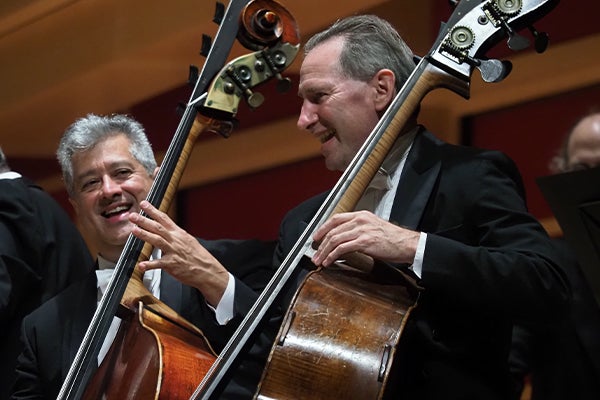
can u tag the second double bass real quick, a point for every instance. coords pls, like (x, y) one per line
(304, 350)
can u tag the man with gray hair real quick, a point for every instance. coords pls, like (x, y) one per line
(454, 217)
(108, 168)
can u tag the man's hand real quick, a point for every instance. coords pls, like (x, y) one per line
(364, 232)
(182, 256)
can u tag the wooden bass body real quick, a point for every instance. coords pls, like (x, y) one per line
(151, 358)
(340, 335)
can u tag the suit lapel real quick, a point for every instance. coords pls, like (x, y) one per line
(77, 324)
(416, 184)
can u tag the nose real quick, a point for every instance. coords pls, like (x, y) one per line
(110, 187)
(308, 115)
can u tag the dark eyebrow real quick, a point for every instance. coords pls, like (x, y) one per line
(111, 167)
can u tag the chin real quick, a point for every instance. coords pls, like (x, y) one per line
(334, 165)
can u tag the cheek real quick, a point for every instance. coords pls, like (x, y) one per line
(139, 188)
(83, 206)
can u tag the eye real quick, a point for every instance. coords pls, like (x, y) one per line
(317, 97)
(90, 184)
(122, 173)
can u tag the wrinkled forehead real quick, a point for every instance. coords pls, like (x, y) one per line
(113, 150)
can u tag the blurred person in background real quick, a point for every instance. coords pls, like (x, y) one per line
(41, 253)
(562, 360)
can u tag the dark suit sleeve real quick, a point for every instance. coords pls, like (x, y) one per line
(28, 383)
(489, 253)
(43, 337)
(250, 262)
(41, 253)
(51, 336)
(20, 275)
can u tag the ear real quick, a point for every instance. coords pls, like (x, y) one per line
(384, 83)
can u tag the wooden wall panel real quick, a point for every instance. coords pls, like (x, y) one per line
(251, 206)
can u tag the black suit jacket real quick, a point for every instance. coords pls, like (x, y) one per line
(52, 334)
(487, 262)
(41, 253)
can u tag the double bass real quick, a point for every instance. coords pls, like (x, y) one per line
(156, 353)
(324, 354)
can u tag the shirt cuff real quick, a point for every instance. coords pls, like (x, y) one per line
(224, 310)
(417, 266)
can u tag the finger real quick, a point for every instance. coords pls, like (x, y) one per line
(148, 265)
(143, 222)
(333, 222)
(328, 251)
(154, 213)
(148, 236)
(342, 244)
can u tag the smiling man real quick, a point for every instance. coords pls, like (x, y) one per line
(453, 216)
(108, 167)
(105, 183)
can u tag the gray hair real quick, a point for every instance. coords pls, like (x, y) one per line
(370, 45)
(87, 132)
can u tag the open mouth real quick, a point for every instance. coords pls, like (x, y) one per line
(116, 211)
(326, 136)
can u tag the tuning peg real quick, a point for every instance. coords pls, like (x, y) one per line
(494, 70)
(491, 70)
(219, 13)
(283, 84)
(254, 99)
(275, 62)
(206, 45)
(193, 75)
(540, 39)
(239, 78)
(517, 42)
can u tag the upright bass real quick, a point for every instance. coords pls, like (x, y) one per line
(157, 353)
(352, 355)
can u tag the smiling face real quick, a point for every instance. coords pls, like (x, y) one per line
(339, 111)
(109, 183)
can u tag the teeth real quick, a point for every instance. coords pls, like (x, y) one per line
(327, 135)
(116, 210)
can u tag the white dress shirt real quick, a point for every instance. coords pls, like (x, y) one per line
(381, 191)
(104, 274)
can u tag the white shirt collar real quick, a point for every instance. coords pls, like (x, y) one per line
(106, 268)
(9, 175)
